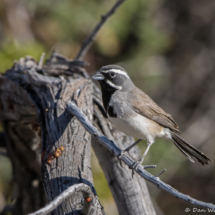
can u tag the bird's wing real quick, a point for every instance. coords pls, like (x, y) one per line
(145, 106)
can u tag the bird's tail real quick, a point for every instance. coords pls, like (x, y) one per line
(189, 151)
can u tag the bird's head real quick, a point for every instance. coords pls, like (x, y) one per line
(113, 77)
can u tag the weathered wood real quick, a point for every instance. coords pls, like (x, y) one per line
(88, 207)
(42, 95)
(50, 95)
(18, 114)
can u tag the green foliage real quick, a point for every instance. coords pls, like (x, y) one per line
(11, 51)
(66, 24)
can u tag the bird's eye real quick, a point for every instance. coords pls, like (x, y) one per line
(112, 74)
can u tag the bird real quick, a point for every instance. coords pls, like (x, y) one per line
(134, 113)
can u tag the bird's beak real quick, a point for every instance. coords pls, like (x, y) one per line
(98, 76)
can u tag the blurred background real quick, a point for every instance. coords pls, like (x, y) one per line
(168, 49)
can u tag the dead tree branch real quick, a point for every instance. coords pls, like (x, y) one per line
(90, 39)
(34, 104)
(87, 193)
(74, 110)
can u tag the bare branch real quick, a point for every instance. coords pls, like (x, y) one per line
(90, 39)
(74, 110)
(65, 194)
(159, 174)
(40, 64)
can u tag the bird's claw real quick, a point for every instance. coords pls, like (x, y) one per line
(119, 156)
(135, 165)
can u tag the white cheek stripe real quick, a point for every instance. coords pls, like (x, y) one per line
(113, 85)
(118, 71)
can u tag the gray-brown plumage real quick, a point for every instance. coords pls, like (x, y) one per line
(136, 114)
(145, 106)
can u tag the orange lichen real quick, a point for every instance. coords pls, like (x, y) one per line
(61, 148)
(49, 161)
(58, 150)
(88, 199)
(57, 154)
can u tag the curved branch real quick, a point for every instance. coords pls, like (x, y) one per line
(90, 39)
(74, 110)
(64, 195)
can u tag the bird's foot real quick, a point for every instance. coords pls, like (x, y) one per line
(135, 165)
(119, 156)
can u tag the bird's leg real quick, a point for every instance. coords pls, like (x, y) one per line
(140, 161)
(128, 149)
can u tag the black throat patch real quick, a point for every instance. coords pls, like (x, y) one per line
(111, 112)
(107, 92)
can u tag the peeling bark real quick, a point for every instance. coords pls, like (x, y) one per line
(49, 95)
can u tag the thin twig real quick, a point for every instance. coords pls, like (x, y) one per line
(90, 39)
(65, 194)
(159, 174)
(40, 64)
(74, 111)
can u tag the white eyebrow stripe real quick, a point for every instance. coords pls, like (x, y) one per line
(118, 71)
(113, 85)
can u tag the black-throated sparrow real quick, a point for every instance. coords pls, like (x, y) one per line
(136, 114)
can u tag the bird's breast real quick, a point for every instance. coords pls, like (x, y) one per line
(124, 118)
